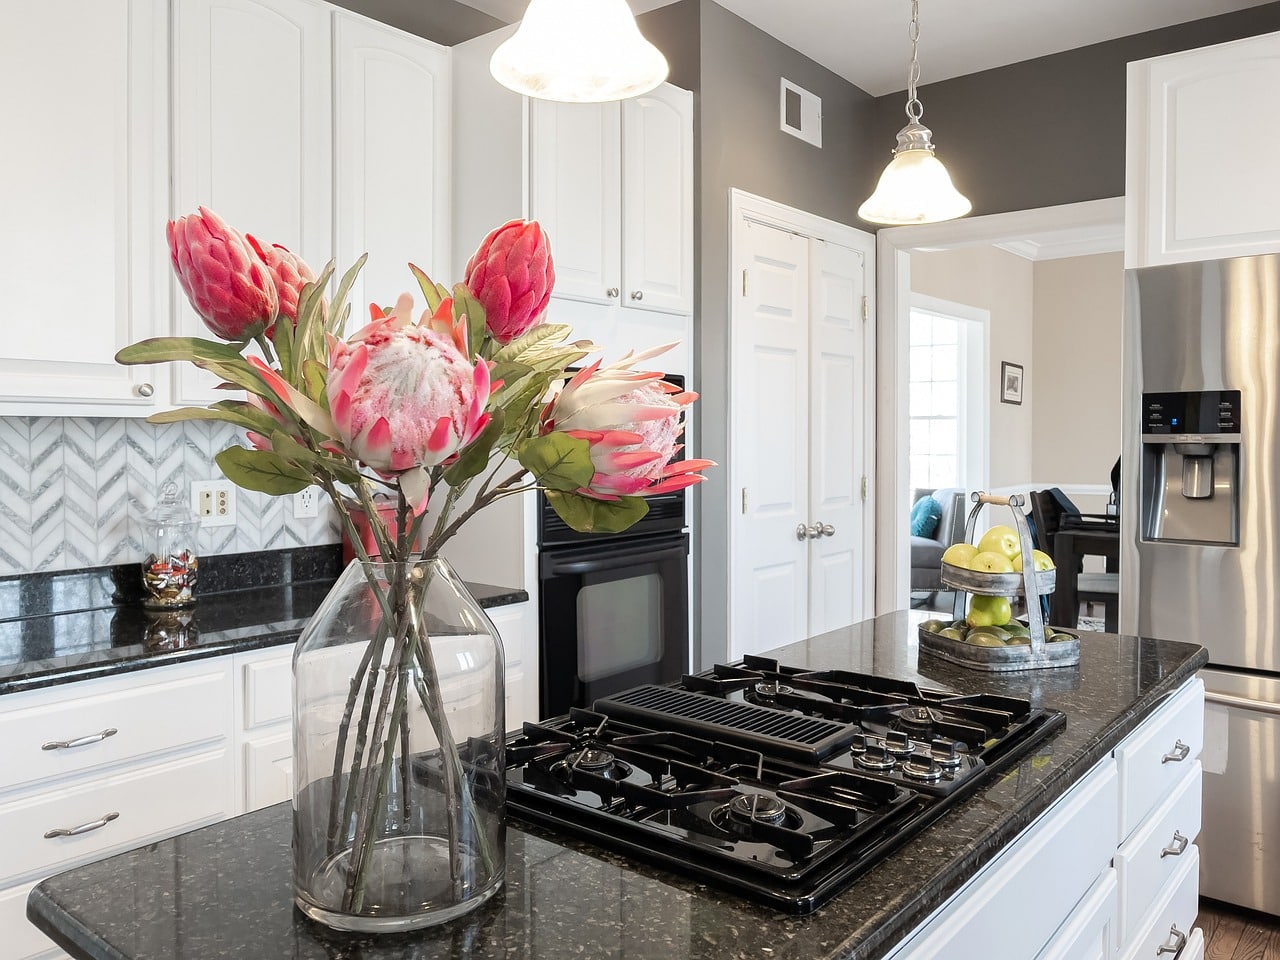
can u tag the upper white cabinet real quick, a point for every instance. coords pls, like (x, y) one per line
(83, 200)
(613, 185)
(392, 147)
(1200, 184)
(252, 134)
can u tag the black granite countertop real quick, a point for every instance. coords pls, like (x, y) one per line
(224, 892)
(77, 625)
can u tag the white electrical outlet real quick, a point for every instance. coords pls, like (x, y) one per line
(306, 504)
(214, 501)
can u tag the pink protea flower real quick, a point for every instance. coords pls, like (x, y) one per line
(221, 274)
(632, 421)
(512, 274)
(289, 272)
(403, 396)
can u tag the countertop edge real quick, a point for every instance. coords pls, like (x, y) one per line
(67, 934)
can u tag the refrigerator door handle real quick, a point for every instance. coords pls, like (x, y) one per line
(1243, 703)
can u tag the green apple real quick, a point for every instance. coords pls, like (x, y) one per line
(980, 638)
(1017, 629)
(989, 561)
(959, 554)
(1001, 539)
(998, 632)
(1060, 637)
(932, 626)
(989, 611)
(1039, 560)
(1014, 641)
(951, 633)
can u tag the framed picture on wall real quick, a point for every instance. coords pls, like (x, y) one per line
(1010, 382)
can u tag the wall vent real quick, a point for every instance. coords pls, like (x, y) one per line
(801, 113)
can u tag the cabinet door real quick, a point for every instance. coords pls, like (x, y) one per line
(83, 202)
(392, 148)
(252, 133)
(1197, 190)
(518, 628)
(574, 177)
(657, 201)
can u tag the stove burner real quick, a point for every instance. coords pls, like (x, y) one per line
(758, 807)
(771, 689)
(917, 720)
(591, 758)
(594, 760)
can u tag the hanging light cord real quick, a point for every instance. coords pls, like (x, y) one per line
(915, 109)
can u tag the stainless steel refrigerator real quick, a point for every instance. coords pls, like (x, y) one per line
(1200, 513)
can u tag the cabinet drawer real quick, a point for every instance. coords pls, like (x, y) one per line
(1150, 856)
(268, 689)
(144, 716)
(21, 939)
(1090, 931)
(268, 770)
(149, 803)
(1017, 902)
(1153, 758)
(1174, 910)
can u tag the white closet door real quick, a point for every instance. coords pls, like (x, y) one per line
(835, 433)
(769, 410)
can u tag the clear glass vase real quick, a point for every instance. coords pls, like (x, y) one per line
(398, 719)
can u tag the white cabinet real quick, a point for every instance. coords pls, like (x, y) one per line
(252, 135)
(391, 140)
(263, 727)
(517, 625)
(83, 198)
(1200, 183)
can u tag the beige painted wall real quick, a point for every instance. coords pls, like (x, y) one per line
(1076, 416)
(1001, 283)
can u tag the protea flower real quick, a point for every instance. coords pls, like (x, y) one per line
(227, 283)
(632, 421)
(289, 272)
(512, 275)
(403, 396)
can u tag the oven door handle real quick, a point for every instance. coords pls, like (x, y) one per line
(611, 560)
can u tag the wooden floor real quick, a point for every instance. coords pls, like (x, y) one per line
(1231, 934)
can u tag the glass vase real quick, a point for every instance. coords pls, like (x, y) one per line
(398, 719)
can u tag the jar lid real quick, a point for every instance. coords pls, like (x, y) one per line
(170, 509)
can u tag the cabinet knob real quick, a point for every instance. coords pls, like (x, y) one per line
(612, 293)
(145, 389)
(637, 294)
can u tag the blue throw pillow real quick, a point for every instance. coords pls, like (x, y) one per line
(925, 516)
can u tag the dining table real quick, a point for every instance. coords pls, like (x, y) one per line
(1072, 542)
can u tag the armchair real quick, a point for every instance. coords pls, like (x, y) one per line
(926, 552)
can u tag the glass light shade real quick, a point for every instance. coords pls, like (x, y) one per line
(914, 188)
(578, 51)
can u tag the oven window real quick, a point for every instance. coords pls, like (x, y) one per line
(619, 625)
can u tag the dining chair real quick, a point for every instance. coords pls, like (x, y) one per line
(1049, 509)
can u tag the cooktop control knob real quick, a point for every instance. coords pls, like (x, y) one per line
(923, 767)
(876, 757)
(896, 741)
(858, 744)
(946, 752)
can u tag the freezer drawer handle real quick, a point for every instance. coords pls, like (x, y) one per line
(79, 741)
(1244, 703)
(1177, 848)
(1177, 940)
(83, 828)
(1179, 752)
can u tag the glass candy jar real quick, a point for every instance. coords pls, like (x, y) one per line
(170, 566)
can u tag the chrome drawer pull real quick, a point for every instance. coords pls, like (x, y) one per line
(1179, 752)
(1177, 848)
(79, 741)
(83, 828)
(1177, 940)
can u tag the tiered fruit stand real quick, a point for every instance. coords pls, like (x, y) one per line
(1033, 584)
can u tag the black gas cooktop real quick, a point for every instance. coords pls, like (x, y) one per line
(781, 783)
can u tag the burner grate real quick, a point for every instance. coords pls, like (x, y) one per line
(807, 739)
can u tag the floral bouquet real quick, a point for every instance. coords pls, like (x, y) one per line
(455, 409)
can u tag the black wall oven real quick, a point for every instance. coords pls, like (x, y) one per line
(613, 610)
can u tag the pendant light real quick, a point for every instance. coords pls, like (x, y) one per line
(915, 186)
(578, 51)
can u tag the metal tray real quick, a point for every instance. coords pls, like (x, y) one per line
(997, 584)
(1021, 656)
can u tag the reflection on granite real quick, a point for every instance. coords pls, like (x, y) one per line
(60, 627)
(224, 892)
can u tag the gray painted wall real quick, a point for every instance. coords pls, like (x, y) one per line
(446, 22)
(1051, 130)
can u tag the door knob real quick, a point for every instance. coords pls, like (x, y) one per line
(825, 529)
(805, 532)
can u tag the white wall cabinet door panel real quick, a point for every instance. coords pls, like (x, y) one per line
(574, 192)
(393, 159)
(657, 201)
(252, 132)
(1192, 196)
(268, 769)
(83, 203)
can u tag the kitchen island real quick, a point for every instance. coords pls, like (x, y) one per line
(224, 891)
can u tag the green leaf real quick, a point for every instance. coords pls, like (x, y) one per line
(166, 349)
(465, 303)
(282, 340)
(338, 307)
(587, 515)
(432, 292)
(558, 461)
(235, 412)
(516, 349)
(263, 471)
(313, 381)
(475, 456)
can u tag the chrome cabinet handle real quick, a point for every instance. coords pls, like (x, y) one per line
(83, 828)
(637, 294)
(1179, 753)
(612, 292)
(1177, 848)
(79, 741)
(1177, 940)
(145, 389)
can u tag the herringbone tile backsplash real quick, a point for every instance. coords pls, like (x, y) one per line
(73, 492)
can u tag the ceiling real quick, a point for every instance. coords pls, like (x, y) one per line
(865, 41)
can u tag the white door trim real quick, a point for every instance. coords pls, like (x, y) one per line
(748, 206)
(893, 286)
